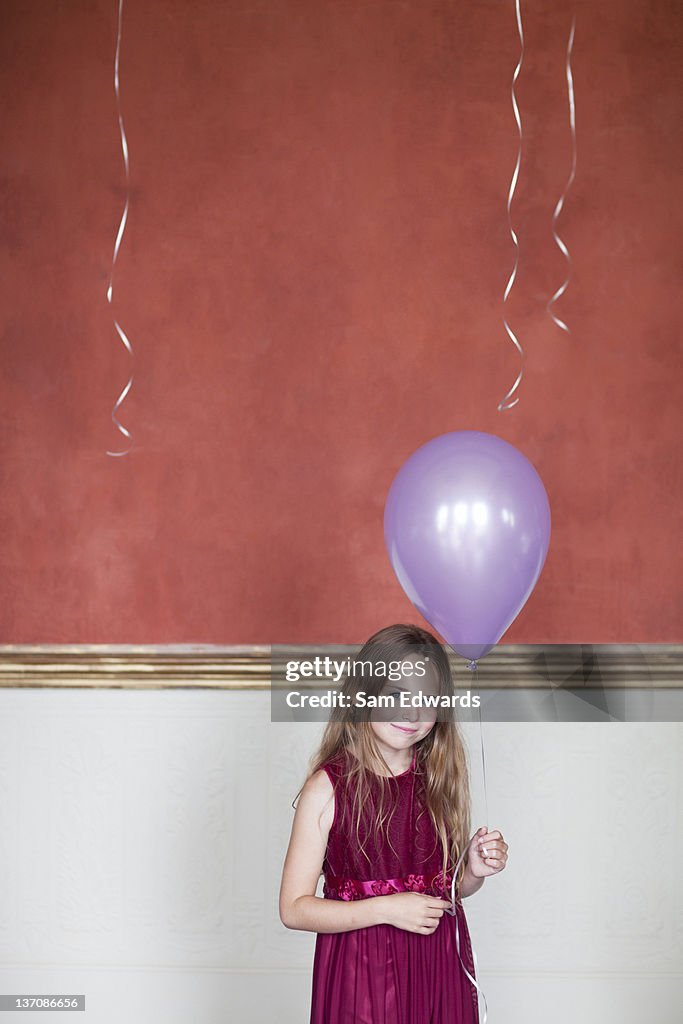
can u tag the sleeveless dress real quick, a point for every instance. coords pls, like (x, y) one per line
(383, 974)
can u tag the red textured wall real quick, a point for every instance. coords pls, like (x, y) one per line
(311, 279)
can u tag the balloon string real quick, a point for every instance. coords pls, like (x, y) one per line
(483, 766)
(455, 902)
(505, 404)
(119, 235)
(560, 203)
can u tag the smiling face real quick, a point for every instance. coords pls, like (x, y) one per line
(399, 728)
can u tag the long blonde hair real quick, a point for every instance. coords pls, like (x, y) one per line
(440, 757)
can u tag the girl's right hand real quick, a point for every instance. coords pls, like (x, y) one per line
(413, 911)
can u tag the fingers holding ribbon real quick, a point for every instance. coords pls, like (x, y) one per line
(493, 850)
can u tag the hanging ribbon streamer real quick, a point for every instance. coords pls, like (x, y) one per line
(505, 404)
(560, 203)
(472, 666)
(119, 236)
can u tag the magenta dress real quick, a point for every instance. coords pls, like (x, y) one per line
(383, 974)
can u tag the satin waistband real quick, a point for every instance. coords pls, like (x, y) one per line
(336, 888)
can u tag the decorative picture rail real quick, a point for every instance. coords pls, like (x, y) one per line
(197, 666)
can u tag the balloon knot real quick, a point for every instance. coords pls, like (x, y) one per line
(472, 666)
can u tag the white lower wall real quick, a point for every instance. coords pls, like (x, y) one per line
(142, 835)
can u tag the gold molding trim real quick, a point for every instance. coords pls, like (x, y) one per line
(208, 666)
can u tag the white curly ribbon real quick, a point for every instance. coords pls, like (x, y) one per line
(452, 910)
(119, 236)
(505, 404)
(560, 203)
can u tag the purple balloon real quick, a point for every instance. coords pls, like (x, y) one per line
(467, 527)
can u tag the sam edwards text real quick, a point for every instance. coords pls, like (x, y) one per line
(334, 699)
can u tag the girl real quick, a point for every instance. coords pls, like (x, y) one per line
(384, 814)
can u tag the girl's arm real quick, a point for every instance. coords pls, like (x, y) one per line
(470, 883)
(300, 908)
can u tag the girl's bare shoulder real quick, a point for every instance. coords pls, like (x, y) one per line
(318, 787)
(317, 797)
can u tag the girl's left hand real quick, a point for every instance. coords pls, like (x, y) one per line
(487, 853)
